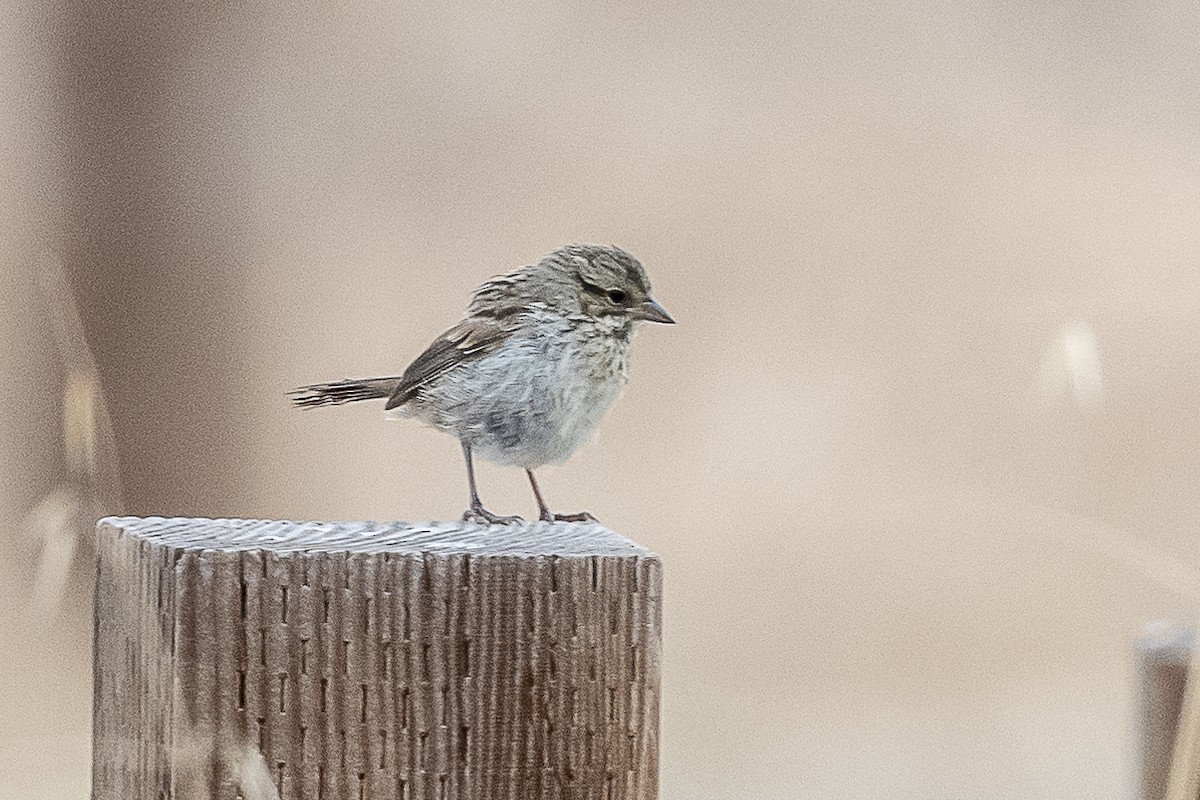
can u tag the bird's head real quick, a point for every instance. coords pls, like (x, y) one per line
(607, 282)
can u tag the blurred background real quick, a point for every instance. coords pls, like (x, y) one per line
(921, 455)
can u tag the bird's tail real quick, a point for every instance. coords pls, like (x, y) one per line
(343, 391)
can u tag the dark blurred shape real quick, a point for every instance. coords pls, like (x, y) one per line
(1164, 653)
(156, 245)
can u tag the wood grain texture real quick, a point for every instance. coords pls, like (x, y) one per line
(239, 658)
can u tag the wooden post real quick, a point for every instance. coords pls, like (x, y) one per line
(1164, 653)
(361, 661)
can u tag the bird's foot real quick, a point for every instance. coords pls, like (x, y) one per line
(481, 516)
(582, 516)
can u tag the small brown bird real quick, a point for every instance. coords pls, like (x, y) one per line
(526, 376)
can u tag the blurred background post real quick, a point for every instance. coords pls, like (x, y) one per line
(929, 411)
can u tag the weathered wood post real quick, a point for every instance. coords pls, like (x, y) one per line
(239, 658)
(1163, 655)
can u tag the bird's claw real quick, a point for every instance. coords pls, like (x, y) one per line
(481, 516)
(581, 516)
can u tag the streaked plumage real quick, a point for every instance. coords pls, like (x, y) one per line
(524, 379)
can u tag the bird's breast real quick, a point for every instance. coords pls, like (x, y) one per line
(542, 393)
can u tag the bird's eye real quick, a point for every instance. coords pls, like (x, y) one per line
(617, 296)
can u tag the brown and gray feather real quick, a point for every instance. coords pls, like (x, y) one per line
(546, 346)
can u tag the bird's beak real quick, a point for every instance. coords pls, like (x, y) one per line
(651, 311)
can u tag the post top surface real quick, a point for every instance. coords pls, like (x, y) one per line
(1167, 642)
(446, 538)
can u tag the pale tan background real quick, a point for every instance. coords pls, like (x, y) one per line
(921, 454)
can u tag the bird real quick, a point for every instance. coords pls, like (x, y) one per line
(526, 376)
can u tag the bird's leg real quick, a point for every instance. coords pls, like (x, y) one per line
(544, 510)
(477, 513)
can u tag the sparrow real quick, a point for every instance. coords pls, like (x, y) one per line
(525, 377)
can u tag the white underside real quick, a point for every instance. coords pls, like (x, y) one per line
(536, 399)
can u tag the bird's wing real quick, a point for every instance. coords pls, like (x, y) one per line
(471, 339)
